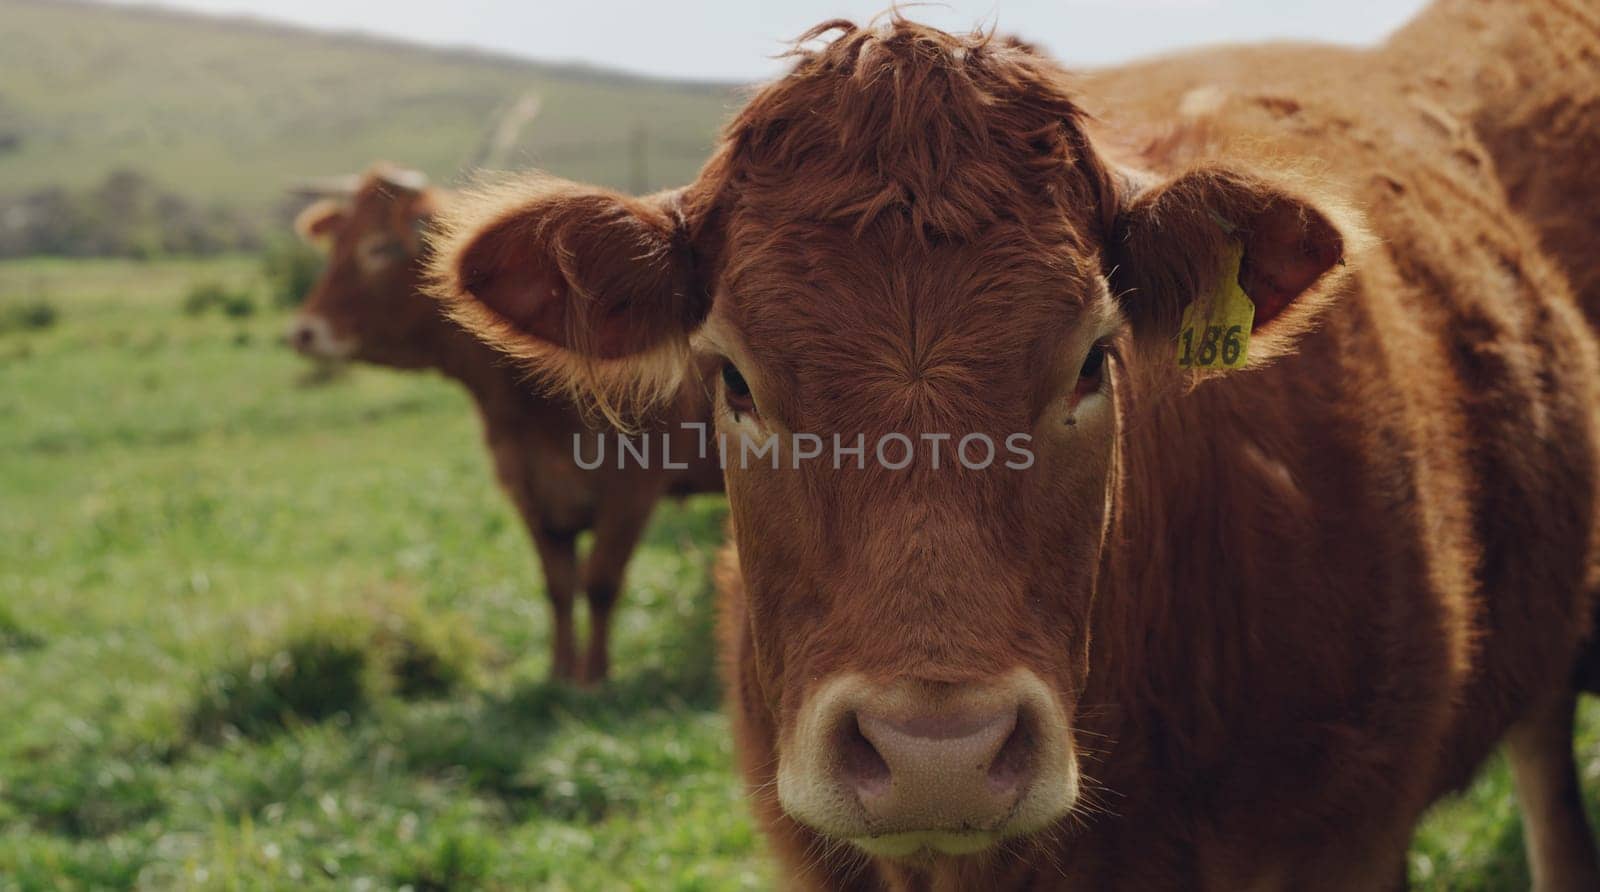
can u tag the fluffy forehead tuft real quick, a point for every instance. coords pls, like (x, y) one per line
(950, 132)
(385, 185)
(386, 197)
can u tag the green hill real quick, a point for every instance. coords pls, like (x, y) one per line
(223, 112)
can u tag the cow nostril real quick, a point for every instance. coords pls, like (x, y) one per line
(301, 337)
(1013, 764)
(860, 763)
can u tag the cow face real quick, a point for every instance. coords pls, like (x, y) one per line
(932, 301)
(367, 304)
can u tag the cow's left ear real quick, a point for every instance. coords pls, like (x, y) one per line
(1173, 242)
(317, 223)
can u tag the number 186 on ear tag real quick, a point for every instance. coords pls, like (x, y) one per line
(1215, 332)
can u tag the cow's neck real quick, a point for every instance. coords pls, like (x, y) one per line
(503, 399)
(443, 346)
(483, 371)
(1179, 631)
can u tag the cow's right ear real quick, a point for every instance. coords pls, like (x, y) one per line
(317, 223)
(1173, 240)
(551, 266)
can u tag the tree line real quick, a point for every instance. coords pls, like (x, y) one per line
(126, 214)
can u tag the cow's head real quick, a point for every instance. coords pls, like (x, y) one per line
(909, 241)
(367, 303)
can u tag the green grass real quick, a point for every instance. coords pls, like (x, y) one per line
(261, 629)
(228, 112)
(259, 633)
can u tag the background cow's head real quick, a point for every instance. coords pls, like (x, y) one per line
(911, 235)
(367, 303)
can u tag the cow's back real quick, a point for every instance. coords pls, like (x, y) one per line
(1525, 74)
(1522, 75)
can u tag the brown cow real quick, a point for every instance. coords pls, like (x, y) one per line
(1220, 630)
(369, 306)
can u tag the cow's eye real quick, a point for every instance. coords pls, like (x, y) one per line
(737, 390)
(1093, 370)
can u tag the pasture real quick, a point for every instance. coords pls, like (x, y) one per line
(265, 626)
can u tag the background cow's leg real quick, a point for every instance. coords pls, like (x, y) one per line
(558, 552)
(1561, 849)
(558, 548)
(615, 536)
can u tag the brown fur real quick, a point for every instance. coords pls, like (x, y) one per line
(529, 433)
(1525, 76)
(1510, 84)
(1517, 81)
(1286, 608)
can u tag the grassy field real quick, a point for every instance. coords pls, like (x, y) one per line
(259, 632)
(264, 629)
(228, 111)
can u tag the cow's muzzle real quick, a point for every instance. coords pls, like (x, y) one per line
(311, 335)
(916, 768)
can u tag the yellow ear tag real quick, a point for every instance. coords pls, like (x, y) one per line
(1215, 332)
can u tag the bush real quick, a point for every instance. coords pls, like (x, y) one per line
(456, 861)
(425, 655)
(239, 306)
(203, 297)
(332, 664)
(13, 635)
(290, 267)
(34, 315)
(312, 675)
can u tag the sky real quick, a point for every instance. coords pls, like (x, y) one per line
(736, 39)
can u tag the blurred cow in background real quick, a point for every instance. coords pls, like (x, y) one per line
(369, 306)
